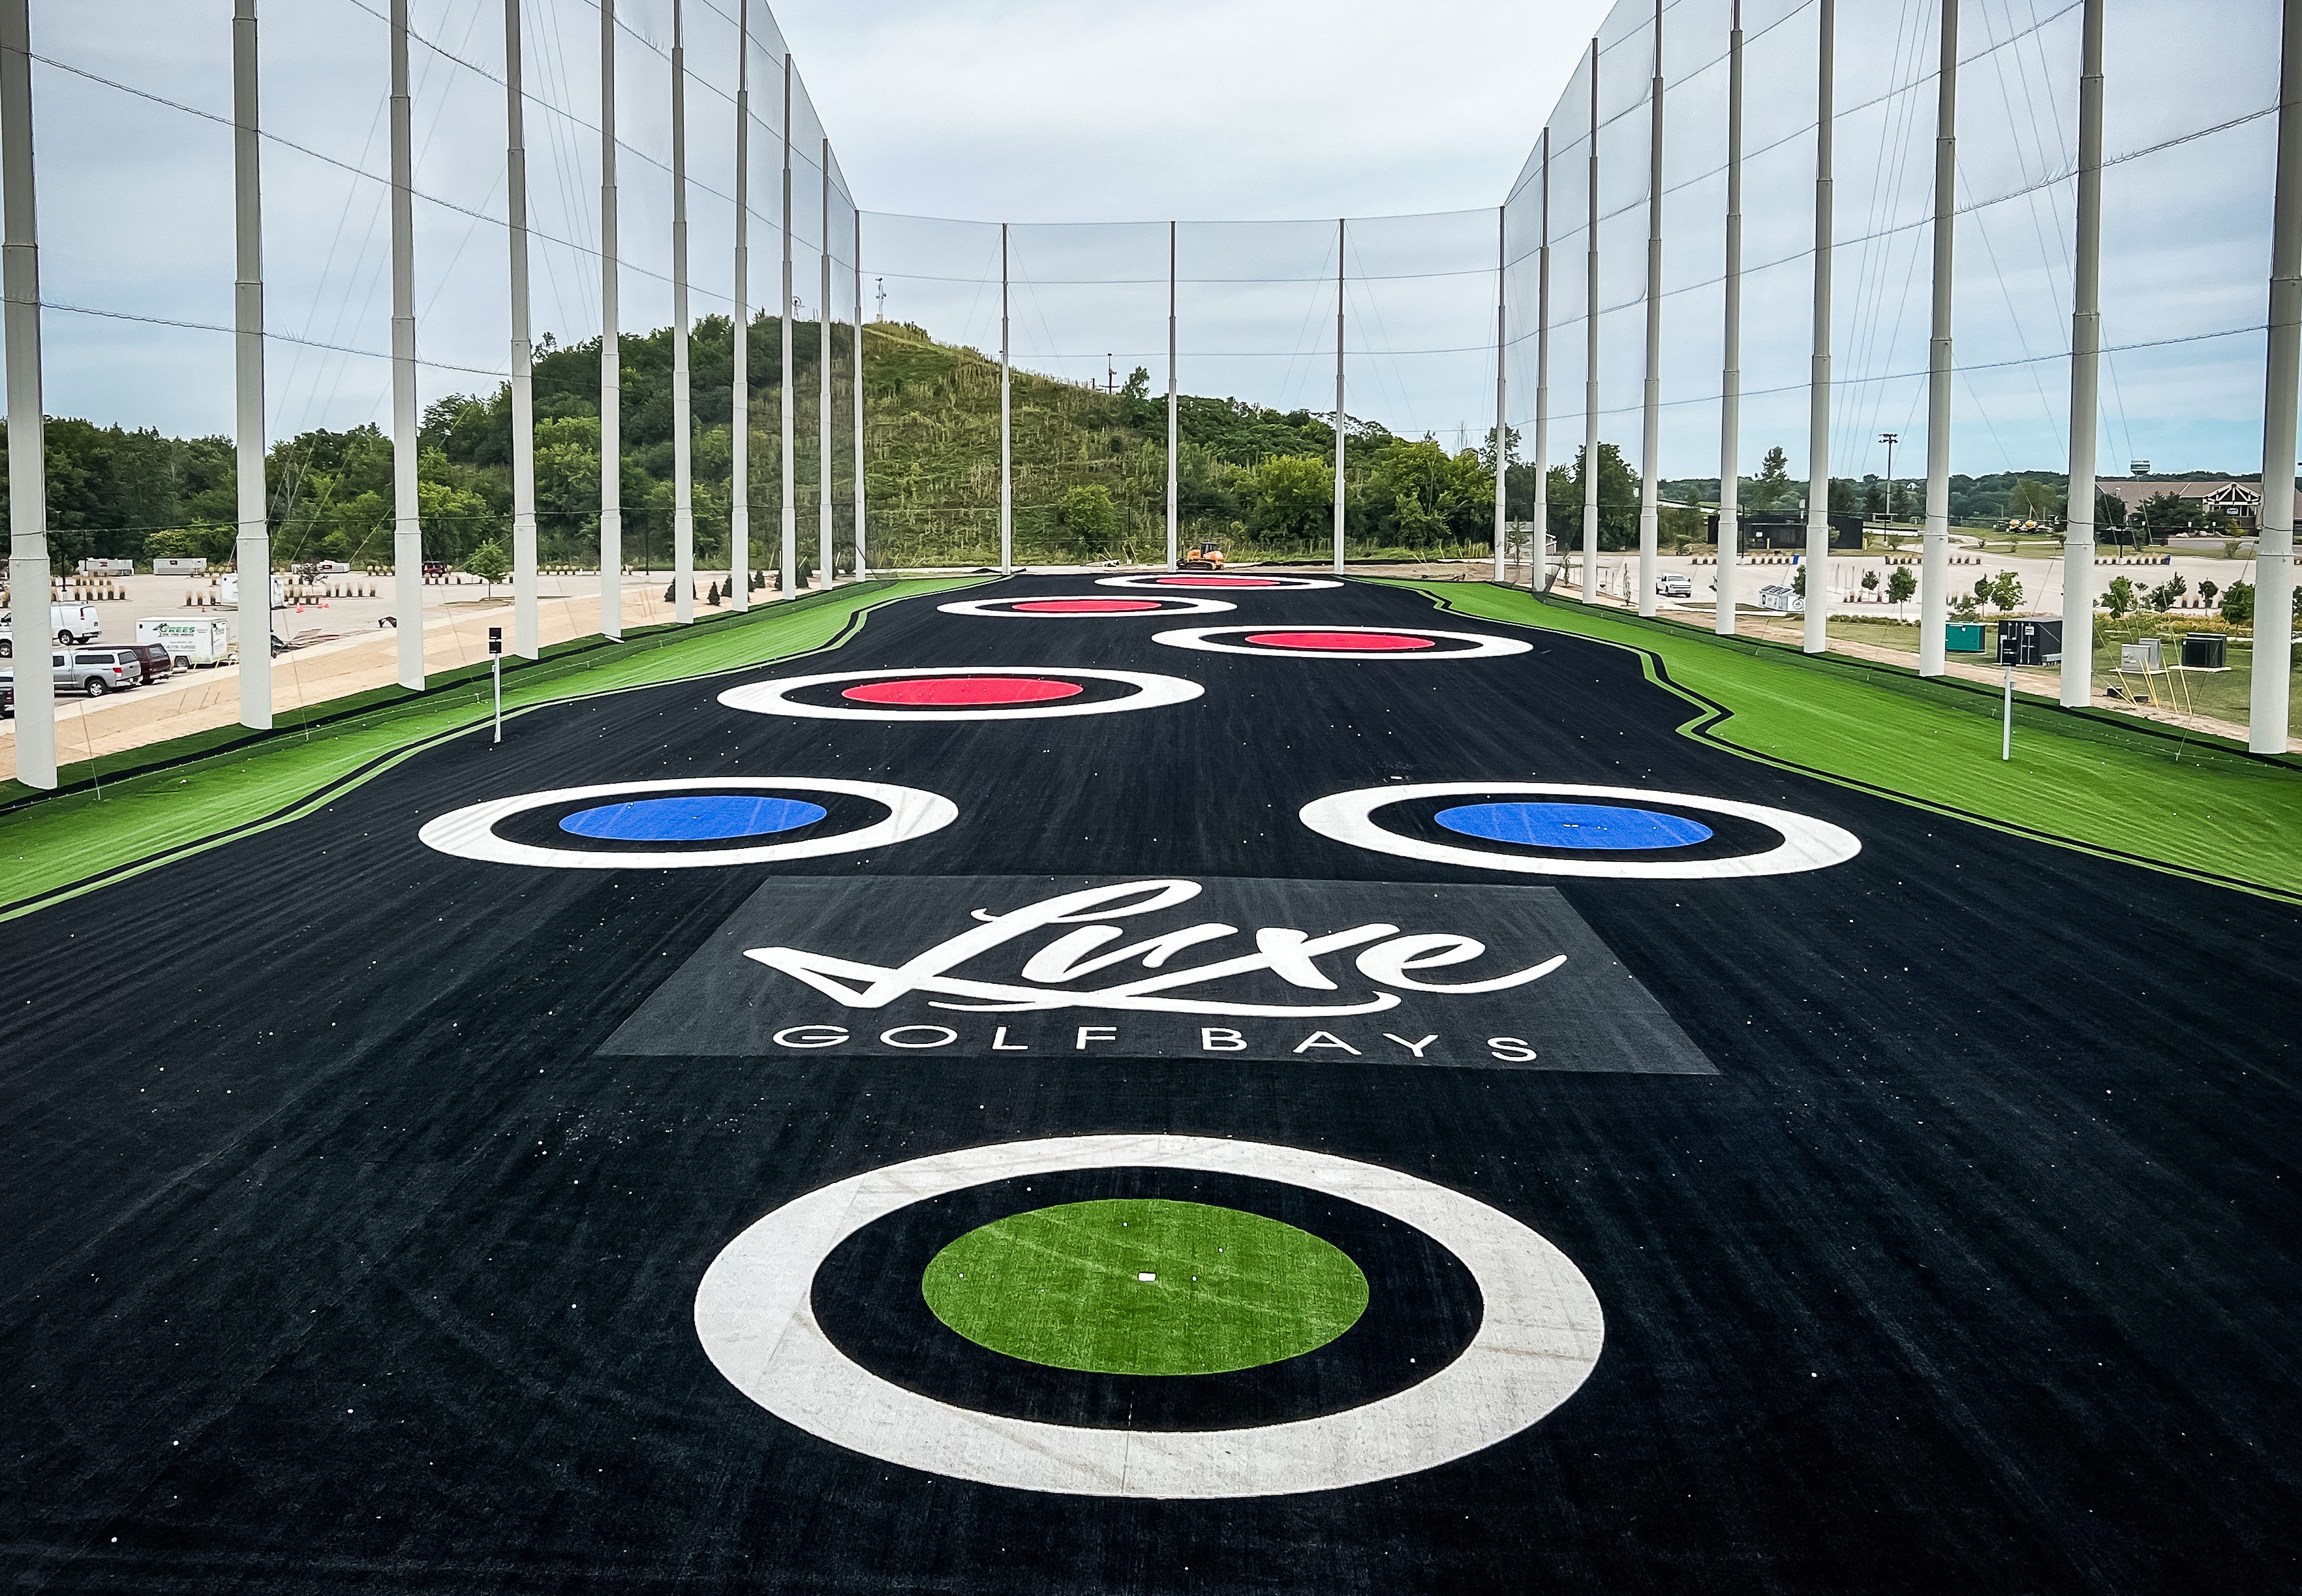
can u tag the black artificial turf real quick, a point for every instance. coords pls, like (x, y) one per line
(338, 1257)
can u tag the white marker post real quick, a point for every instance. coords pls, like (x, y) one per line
(1538, 560)
(863, 564)
(2086, 374)
(253, 543)
(827, 547)
(1342, 238)
(1933, 545)
(525, 640)
(1651, 418)
(1502, 412)
(611, 358)
(1730, 375)
(1006, 419)
(495, 669)
(739, 460)
(27, 455)
(682, 397)
(2006, 729)
(1173, 546)
(1591, 359)
(2274, 565)
(1818, 445)
(407, 525)
(790, 517)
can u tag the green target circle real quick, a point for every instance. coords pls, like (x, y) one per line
(1145, 1286)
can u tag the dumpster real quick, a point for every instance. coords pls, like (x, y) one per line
(2205, 650)
(1963, 637)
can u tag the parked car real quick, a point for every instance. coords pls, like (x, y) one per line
(1675, 584)
(7, 697)
(154, 658)
(68, 624)
(97, 671)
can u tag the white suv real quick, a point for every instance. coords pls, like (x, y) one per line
(1675, 584)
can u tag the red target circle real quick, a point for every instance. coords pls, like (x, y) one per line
(1368, 642)
(942, 691)
(1082, 606)
(1218, 581)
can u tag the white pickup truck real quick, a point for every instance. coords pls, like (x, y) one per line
(67, 624)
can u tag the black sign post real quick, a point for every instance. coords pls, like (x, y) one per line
(495, 667)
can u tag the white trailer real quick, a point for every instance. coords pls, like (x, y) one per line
(179, 564)
(228, 592)
(107, 567)
(191, 642)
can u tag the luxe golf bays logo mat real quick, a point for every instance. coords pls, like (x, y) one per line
(1074, 968)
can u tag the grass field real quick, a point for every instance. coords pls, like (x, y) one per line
(175, 798)
(1145, 1286)
(2199, 807)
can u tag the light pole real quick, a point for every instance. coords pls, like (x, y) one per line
(1890, 440)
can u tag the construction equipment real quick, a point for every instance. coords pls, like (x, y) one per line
(1201, 557)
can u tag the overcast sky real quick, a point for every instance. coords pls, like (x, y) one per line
(1234, 118)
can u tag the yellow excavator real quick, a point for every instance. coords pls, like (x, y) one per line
(1201, 557)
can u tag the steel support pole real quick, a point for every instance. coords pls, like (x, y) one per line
(611, 358)
(863, 564)
(1539, 558)
(407, 525)
(1650, 417)
(524, 640)
(739, 458)
(1502, 396)
(1006, 422)
(1342, 239)
(1933, 542)
(2273, 567)
(1173, 542)
(788, 577)
(1818, 444)
(825, 539)
(28, 573)
(683, 396)
(254, 546)
(2085, 378)
(1730, 374)
(1590, 358)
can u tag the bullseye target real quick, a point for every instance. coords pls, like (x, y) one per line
(687, 824)
(1211, 581)
(1098, 606)
(961, 692)
(1277, 1321)
(1552, 829)
(1343, 643)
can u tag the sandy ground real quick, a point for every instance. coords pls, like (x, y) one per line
(348, 652)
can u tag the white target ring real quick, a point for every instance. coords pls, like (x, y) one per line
(1169, 604)
(1539, 1337)
(470, 833)
(1210, 640)
(1241, 582)
(1808, 844)
(1151, 692)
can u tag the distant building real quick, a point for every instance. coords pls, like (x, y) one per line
(2241, 502)
(1787, 529)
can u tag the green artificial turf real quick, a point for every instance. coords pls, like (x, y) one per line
(170, 800)
(2086, 779)
(1062, 1286)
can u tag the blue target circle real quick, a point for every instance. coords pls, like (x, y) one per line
(704, 819)
(1588, 827)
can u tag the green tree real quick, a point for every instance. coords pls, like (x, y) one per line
(2005, 591)
(2208, 588)
(1290, 495)
(2031, 500)
(1869, 581)
(487, 562)
(1772, 489)
(1088, 514)
(1900, 587)
(2161, 598)
(2118, 598)
(2238, 604)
